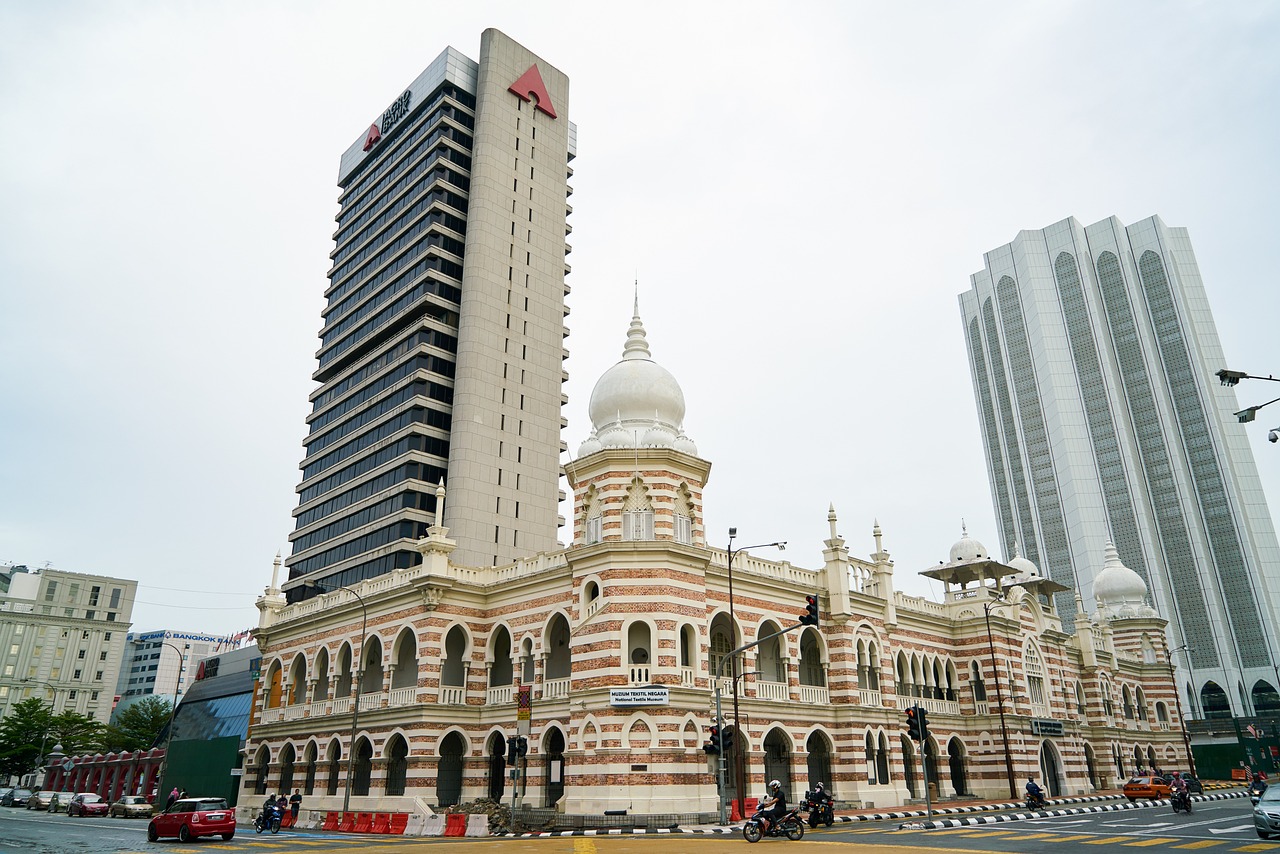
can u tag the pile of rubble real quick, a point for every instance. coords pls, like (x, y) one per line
(499, 815)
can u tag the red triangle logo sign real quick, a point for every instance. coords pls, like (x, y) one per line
(531, 88)
(371, 139)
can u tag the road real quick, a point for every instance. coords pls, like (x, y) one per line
(1217, 826)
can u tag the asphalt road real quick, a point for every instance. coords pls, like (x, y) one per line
(1218, 826)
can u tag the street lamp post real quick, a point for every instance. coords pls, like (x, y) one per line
(739, 771)
(1004, 730)
(177, 686)
(1244, 416)
(355, 705)
(1177, 697)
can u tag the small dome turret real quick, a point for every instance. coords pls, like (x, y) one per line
(1119, 591)
(967, 549)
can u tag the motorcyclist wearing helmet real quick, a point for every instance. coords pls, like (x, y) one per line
(775, 806)
(1034, 792)
(267, 809)
(1177, 784)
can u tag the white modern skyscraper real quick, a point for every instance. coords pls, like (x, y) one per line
(443, 338)
(1093, 354)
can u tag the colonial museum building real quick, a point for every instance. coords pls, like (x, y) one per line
(604, 655)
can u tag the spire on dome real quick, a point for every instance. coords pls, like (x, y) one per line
(637, 346)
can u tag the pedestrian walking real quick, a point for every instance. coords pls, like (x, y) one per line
(173, 796)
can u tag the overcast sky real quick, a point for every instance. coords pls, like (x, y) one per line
(803, 189)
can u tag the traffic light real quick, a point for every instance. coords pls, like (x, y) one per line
(913, 723)
(511, 750)
(726, 741)
(923, 719)
(522, 745)
(810, 615)
(713, 743)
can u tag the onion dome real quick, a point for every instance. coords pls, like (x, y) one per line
(1026, 569)
(637, 402)
(968, 549)
(1118, 590)
(590, 445)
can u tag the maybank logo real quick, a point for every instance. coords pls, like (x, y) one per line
(530, 88)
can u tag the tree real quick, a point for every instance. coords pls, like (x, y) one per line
(138, 726)
(76, 733)
(28, 725)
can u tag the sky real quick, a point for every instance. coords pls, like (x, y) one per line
(802, 190)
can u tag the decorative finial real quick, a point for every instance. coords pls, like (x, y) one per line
(440, 503)
(637, 346)
(831, 520)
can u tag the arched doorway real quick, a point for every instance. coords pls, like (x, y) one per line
(777, 761)
(310, 760)
(818, 747)
(1091, 767)
(261, 763)
(397, 765)
(287, 757)
(909, 766)
(362, 773)
(497, 766)
(1214, 702)
(449, 771)
(1051, 768)
(955, 763)
(553, 753)
(334, 758)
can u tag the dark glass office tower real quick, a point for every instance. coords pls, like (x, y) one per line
(442, 342)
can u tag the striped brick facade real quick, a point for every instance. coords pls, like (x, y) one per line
(446, 646)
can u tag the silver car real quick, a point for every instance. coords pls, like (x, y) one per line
(1266, 813)
(40, 800)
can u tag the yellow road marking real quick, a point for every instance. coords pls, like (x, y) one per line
(1260, 846)
(1035, 835)
(1107, 840)
(584, 845)
(1159, 840)
(1076, 838)
(980, 833)
(1203, 843)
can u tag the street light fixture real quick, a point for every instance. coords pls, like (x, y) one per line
(1244, 416)
(739, 771)
(355, 705)
(1004, 730)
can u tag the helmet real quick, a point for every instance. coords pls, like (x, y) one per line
(818, 787)
(1177, 775)
(775, 784)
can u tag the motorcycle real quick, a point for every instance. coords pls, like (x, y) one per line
(272, 821)
(789, 825)
(1181, 801)
(820, 811)
(1036, 801)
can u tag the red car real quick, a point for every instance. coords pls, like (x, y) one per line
(191, 818)
(87, 803)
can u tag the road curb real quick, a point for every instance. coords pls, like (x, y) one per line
(1022, 816)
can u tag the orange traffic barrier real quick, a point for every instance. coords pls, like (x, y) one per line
(330, 821)
(399, 821)
(455, 824)
(347, 823)
(364, 822)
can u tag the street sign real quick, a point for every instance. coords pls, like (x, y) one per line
(67, 765)
(524, 702)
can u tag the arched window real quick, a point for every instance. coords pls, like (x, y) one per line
(286, 768)
(261, 764)
(363, 770)
(1126, 700)
(871, 759)
(501, 672)
(976, 682)
(333, 757)
(298, 681)
(1140, 702)
(811, 669)
(322, 675)
(371, 681)
(406, 654)
(637, 512)
(397, 765)
(310, 759)
(1035, 674)
(556, 646)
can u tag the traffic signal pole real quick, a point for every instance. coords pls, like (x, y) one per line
(724, 818)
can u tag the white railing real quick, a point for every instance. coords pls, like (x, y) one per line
(294, 713)
(1039, 711)
(370, 701)
(1164, 726)
(270, 716)
(870, 698)
(555, 689)
(403, 696)
(592, 608)
(499, 695)
(772, 690)
(942, 707)
(342, 705)
(984, 706)
(686, 677)
(816, 694)
(453, 695)
(639, 674)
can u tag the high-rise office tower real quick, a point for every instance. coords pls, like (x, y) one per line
(1093, 354)
(442, 342)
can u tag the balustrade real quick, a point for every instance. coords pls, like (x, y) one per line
(555, 689)
(318, 709)
(370, 701)
(984, 707)
(868, 697)
(686, 677)
(640, 674)
(294, 713)
(342, 705)
(403, 696)
(815, 694)
(772, 690)
(499, 695)
(453, 695)
(270, 716)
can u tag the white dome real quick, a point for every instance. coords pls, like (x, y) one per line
(967, 549)
(1119, 591)
(590, 445)
(1026, 569)
(637, 402)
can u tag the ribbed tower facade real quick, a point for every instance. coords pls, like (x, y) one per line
(442, 345)
(1093, 354)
